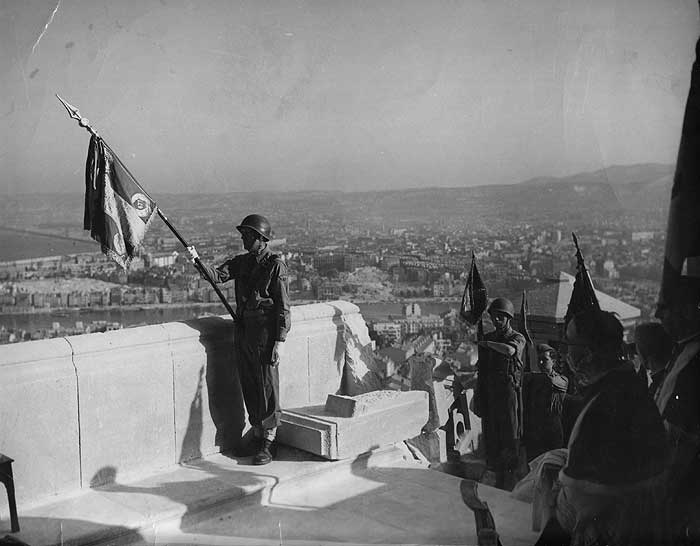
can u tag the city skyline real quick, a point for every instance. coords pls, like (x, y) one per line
(221, 97)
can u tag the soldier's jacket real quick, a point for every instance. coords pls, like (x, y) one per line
(503, 369)
(261, 287)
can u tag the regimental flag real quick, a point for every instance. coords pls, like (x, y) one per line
(117, 209)
(583, 295)
(682, 256)
(474, 299)
(529, 352)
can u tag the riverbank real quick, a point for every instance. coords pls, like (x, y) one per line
(138, 315)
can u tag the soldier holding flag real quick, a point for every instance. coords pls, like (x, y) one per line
(262, 305)
(500, 368)
(118, 212)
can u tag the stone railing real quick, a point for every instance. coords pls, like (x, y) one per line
(76, 410)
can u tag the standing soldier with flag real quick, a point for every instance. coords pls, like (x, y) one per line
(262, 305)
(118, 212)
(500, 364)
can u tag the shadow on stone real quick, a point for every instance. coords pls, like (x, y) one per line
(47, 531)
(224, 389)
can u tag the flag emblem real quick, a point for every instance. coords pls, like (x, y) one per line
(142, 204)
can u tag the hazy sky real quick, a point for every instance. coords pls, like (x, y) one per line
(339, 94)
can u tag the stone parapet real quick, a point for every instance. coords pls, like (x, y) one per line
(76, 411)
(39, 425)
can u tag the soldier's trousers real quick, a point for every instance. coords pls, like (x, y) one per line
(500, 427)
(259, 379)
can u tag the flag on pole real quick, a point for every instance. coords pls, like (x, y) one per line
(682, 255)
(583, 295)
(474, 299)
(522, 327)
(117, 209)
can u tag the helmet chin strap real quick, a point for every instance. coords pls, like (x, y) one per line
(262, 246)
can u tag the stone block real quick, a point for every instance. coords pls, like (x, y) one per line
(125, 381)
(317, 431)
(39, 419)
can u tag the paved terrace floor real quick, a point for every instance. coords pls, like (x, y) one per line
(382, 498)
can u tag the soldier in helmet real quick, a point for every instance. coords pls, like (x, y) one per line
(500, 368)
(543, 398)
(262, 306)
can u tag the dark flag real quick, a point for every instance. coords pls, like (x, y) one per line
(474, 302)
(474, 299)
(117, 209)
(583, 295)
(682, 256)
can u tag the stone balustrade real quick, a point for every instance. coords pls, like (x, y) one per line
(76, 411)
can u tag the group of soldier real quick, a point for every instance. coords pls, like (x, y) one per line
(621, 427)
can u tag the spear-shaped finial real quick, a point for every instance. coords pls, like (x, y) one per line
(75, 114)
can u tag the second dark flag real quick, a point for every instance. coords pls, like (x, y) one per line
(474, 299)
(583, 295)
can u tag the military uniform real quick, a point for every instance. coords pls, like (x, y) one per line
(543, 395)
(499, 399)
(262, 305)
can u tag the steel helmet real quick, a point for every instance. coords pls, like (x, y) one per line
(503, 305)
(257, 223)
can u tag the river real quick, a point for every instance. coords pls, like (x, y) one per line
(157, 315)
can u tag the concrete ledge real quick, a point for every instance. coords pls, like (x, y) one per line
(318, 431)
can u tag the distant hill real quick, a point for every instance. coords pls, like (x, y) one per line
(645, 186)
(642, 173)
(575, 200)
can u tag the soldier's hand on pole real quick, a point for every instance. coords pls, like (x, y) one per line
(193, 253)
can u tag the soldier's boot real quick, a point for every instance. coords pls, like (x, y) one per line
(264, 455)
(267, 447)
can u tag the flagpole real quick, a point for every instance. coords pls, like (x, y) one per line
(74, 113)
(586, 275)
